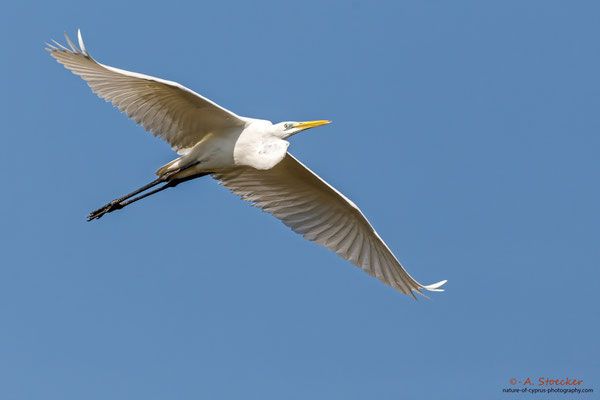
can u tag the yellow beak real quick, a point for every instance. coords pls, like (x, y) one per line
(311, 124)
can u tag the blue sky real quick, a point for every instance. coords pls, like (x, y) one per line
(467, 131)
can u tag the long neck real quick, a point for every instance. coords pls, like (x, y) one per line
(259, 147)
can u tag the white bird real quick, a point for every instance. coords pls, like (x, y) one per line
(248, 156)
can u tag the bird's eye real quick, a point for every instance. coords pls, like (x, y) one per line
(287, 126)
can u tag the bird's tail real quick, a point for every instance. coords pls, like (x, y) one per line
(162, 171)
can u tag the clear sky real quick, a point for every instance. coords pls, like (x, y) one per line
(467, 131)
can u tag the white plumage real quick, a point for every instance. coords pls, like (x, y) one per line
(248, 156)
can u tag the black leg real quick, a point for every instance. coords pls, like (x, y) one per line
(121, 202)
(171, 184)
(113, 204)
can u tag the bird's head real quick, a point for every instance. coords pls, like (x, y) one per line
(286, 129)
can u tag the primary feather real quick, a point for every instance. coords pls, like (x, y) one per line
(313, 208)
(169, 110)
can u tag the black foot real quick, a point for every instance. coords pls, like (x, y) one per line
(97, 214)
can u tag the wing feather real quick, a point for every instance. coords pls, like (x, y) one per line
(311, 207)
(167, 109)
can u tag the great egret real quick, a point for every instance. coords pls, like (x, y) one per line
(249, 156)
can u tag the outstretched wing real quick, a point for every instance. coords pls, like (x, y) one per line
(311, 207)
(169, 110)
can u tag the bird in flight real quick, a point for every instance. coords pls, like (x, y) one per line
(248, 156)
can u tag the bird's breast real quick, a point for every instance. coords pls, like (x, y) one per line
(259, 154)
